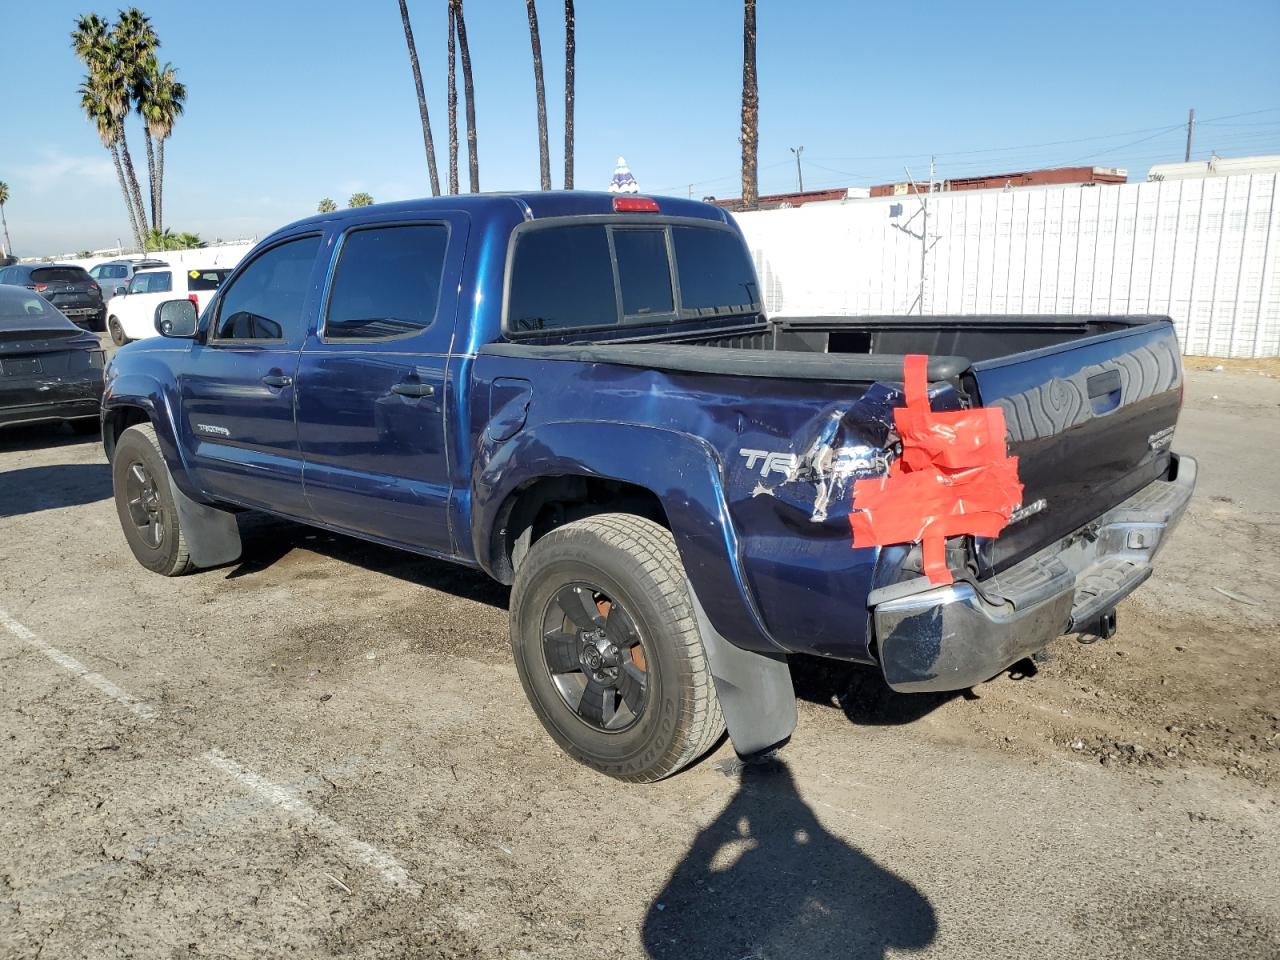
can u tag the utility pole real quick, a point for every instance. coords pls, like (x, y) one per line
(799, 173)
(1191, 121)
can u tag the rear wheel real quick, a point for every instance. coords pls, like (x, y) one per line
(117, 332)
(145, 504)
(608, 650)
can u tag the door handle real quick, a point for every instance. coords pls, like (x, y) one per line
(411, 389)
(277, 380)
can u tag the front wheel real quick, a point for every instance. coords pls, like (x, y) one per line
(145, 503)
(117, 332)
(608, 651)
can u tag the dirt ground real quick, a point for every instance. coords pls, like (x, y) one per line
(324, 751)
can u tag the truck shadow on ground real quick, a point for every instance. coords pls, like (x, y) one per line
(859, 691)
(766, 879)
(33, 489)
(267, 540)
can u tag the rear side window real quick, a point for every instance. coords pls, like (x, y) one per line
(562, 278)
(644, 272)
(60, 275)
(116, 271)
(716, 274)
(387, 282)
(265, 302)
(198, 280)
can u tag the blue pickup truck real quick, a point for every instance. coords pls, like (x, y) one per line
(581, 395)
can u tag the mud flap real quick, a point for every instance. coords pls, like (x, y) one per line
(213, 538)
(754, 689)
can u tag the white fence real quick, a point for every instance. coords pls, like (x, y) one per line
(220, 255)
(1205, 252)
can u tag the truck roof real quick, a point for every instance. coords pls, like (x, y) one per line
(533, 205)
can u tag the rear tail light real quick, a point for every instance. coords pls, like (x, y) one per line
(39, 287)
(94, 287)
(635, 205)
(194, 299)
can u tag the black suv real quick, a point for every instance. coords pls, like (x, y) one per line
(76, 294)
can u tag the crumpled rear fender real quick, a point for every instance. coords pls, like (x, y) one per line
(682, 470)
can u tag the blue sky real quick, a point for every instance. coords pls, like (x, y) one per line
(290, 101)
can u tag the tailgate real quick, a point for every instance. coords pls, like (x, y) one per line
(1090, 421)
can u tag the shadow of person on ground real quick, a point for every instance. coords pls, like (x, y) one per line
(860, 692)
(32, 489)
(766, 880)
(267, 540)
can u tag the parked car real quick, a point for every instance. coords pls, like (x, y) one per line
(69, 288)
(131, 315)
(581, 395)
(114, 275)
(50, 369)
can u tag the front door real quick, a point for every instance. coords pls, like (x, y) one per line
(372, 384)
(238, 386)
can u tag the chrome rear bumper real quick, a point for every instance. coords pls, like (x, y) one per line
(952, 637)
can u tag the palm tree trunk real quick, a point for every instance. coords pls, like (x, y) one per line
(128, 200)
(133, 182)
(569, 53)
(159, 211)
(151, 175)
(422, 100)
(750, 109)
(453, 104)
(544, 157)
(468, 91)
(8, 244)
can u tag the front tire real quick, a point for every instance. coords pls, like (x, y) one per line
(117, 332)
(608, 651)
(145, 504)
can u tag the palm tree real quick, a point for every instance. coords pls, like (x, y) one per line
(326, 206)
(95, 106)
(100, 94)
(105, 99)
(133, 41)
(161, 100)
(544, 158)
(750, 108)
(569, 49)
(453, 105)
(360, 199)
(468, 91)
(4, 198)
(422, 100)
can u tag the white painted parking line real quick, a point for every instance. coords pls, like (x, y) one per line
(385, 865)
(77, 669)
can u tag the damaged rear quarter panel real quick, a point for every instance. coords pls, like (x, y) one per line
(754, 475)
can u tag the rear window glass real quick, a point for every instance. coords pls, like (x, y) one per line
(387, 283)
(198, 280)
(644, 272)
(716, 274)
(562, 277)
(151, 283)
(59, 275)
(22, 309)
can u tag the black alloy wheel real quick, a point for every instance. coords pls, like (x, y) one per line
(596, 657)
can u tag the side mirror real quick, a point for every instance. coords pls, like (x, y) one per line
(177, 319)
(121, 291)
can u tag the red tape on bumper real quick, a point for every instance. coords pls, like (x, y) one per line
(954, 477)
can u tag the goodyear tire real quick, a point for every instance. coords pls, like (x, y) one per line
(145, 505)
(608, 651)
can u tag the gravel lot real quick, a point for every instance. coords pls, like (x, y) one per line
(324, 751)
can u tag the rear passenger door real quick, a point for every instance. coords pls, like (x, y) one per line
(372, 392)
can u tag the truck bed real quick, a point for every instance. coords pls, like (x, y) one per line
(1089, 402)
